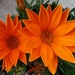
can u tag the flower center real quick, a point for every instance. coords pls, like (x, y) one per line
(12, 42)
(46, 37)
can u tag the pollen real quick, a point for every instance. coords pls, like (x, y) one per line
(12, 42)
(46, 37)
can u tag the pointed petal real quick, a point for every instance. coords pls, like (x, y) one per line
(33, 27)
(25, 49)
(2, 45)
(55, 17)
(10, 25)
(22, 57)
(35, 54)
(18, 26)
(53, 65)
(66, 40)
(46, 54)
(4, 53)
(15, 21)
(3, 64)
(22, 38)
(3, 33)
(25, 31)
(72, 48)
(34, 42)
(32, 15)
(44, 18)
(64, 28)
(22, 47)
(72, 33)
(8, 64)
(2, 24)
(14, 54)
(49, 9)
(63, 52)
(65, 16)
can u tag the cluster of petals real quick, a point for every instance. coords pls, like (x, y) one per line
(12, 43)
(50, 36)
(47, 35)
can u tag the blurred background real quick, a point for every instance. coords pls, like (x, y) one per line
(9, 6)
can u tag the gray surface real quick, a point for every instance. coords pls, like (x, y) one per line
(8, 6)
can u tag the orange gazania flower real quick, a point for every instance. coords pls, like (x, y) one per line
(49, 35)
(11, 43)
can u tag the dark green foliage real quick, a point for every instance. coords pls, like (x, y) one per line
(22, 14)
(72, 14)
(65, 68)
(54, 4)
(20, 69)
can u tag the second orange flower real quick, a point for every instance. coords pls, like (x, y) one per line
(49, 35)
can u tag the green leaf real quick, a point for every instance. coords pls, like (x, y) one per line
(53, 5)
(32, 1)
(47, 72)
(66, 68)
(41, 1)
(72, 14)
(11, 72)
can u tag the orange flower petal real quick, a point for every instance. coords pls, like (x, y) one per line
(8, 64)
(22, 46)
(65, 16)
(33, 27)
(72, 48)
(22, 57)
(1, 38)
(10, 25)
(66, 40)
(3, 64)
(35, 54)
(63, 52)
(32, 16)
(25, 31)
(2, 24)
(53, 65)
(3, 53)
(55, 17)
(2, 45)
(49, 9)
(64, 28)
(15, 21)
(46, 53)
(3, 33)
(44, 18)
(34, 42)
(72, 33)
(14, 54)
(24, 49)
(22, 38)
(18, 27)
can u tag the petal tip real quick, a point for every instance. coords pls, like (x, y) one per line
(41, 6)
(60, 6)
(26, 9)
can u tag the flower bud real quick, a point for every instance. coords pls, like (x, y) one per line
(21, 4)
